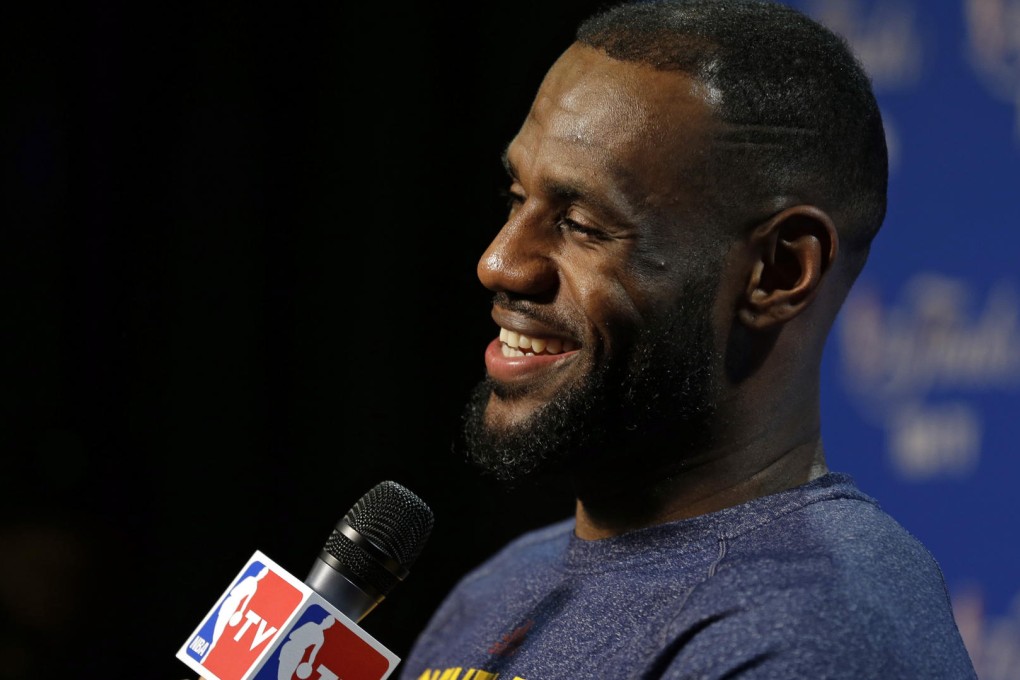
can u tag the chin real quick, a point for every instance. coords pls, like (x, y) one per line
(501, 416)
(524, 439)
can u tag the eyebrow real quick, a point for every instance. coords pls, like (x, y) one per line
(560, 190)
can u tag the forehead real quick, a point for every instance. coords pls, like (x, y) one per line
(643, 130)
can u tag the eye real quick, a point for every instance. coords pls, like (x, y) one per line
(581, 231)
(514, 199)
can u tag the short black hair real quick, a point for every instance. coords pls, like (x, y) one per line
(798, 111)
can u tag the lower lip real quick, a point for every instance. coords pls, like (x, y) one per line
(508, 369)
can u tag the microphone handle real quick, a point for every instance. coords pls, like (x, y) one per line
(335, 587)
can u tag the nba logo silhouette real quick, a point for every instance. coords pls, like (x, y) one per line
(319, 647)
(250, 614)
(269, 625)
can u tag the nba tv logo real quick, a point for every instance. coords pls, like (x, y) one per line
(245, 623)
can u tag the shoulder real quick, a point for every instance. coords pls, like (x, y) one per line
(835, 588)
(830, 524)
(842, 551)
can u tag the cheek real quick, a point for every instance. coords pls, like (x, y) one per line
(598, 274)
(614, 301)
(618, 288)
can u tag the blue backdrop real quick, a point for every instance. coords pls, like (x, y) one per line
(922, 373)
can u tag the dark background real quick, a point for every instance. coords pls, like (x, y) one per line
(239, 248)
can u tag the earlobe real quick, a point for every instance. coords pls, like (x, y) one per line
(792, 252)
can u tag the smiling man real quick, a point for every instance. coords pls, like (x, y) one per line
(692, 194)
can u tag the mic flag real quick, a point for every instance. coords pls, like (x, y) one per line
(269, 625)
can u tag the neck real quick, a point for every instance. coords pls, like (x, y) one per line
(728, 474)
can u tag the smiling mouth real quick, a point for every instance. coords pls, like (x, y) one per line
(517, 345)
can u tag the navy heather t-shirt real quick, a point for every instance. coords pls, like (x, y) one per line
(815, 582)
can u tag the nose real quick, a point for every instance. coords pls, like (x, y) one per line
(519, 261)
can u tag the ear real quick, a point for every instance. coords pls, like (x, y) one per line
(791, 251)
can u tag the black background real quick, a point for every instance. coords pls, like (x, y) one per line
(239, 248)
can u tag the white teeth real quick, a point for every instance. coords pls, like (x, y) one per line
(514, 343)
(511, 352)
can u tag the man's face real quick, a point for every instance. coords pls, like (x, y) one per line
(605, 273)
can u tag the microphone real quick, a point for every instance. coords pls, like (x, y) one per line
(371, 549)
(269, 625)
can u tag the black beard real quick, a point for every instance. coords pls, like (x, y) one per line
(644, 408)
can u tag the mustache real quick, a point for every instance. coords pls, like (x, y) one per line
(531, 309)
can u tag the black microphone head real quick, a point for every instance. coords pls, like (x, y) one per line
(391, 526)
